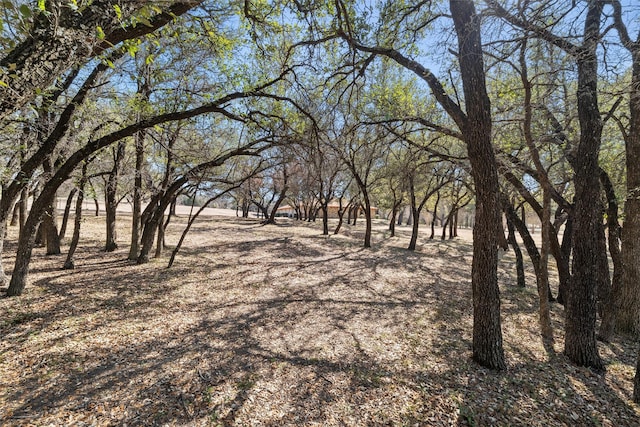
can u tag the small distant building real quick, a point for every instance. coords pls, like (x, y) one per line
(333, 208)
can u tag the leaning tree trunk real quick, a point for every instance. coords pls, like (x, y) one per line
(67, 211)
(607, 325)
(341, 212)
(69, 264)
(26, 242)
(414, 229)
(14, 215)
(511, 239)
(24, 195)
(544, 316)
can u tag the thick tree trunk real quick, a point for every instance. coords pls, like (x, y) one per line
(629, 315)
(50, 231)
(580, 325)
(271, 219)
(487, 332)
(49, 225)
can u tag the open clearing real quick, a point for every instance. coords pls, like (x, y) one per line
(278, 325)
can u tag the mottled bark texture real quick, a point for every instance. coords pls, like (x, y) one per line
(65, 36)
(487, 333)
(580, 324)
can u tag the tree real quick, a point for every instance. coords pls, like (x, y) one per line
(580, 337)
(63, 36)
(474, 123)
(628, 318)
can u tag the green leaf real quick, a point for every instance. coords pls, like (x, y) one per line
(41, 5)
(100, 32)
(25, 11)
(118, 11)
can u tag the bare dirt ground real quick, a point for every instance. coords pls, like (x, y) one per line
(280, 326)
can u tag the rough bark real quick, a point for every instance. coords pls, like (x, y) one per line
(63, 37)
(475, 126)
(487, 333)
(580, 337)
(629, 315)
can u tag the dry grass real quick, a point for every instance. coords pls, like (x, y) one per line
(277, 325)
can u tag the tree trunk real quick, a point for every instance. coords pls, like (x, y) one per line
(580, 325)
(160, 238)
(543, 282)
(487, 332)
(414, 230)
(368, 221)
(607, 325)
(325, 219)
(452, 216)
(456, 217)
(134, 249)
(520, 278)
(392, 223)
(111, 201)
(434, 217)
(50, 231)
(629, 315)
(67, 211)
(15, 214)
(341, 212)
(565, 254)
(69, 264)
(24, 195)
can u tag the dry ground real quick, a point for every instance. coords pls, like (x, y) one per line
(277, 325)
